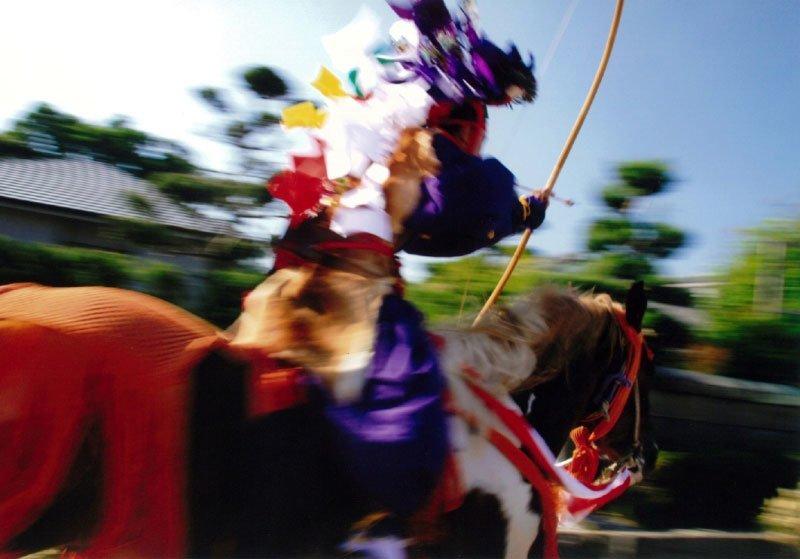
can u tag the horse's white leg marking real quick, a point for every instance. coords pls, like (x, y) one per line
(484, 467)
(523, 525)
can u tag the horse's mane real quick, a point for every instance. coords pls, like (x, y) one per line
(580, 326)
(536, 337)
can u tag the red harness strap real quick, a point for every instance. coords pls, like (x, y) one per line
(547, 496)
(359, 241)
(586, 456)
(295, 254)
(532, 465)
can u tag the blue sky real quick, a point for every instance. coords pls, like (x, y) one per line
(712, 87)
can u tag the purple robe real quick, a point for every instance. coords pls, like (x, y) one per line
(394, 439)
(470, 205)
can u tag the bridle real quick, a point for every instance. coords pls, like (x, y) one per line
(614, 396)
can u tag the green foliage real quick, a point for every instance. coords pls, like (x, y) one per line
(624, 265)
(609, 233)
(619, 196)
(139, 202)
(224, 291)
(214, 98)
(66, 266)
(249, 126)
(721, 491)
(238, 130)
(229, 250)
(11, 146)
(267, 119)
(457, 289)
(140, 232)
(265, 82)
(195, 188)
(756, 316)
(61, 266)
(766, 349)
(662, 241)
(52, 133)
(618, 233)
(669, 332)
(646, 177)
(626, 249)
(165, 282)
(668, 294)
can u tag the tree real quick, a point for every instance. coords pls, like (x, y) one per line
(193, 188)
(11, 146)
(626, 248)
(756, 317)
(250, 125)
(49, 132)
(265, 82)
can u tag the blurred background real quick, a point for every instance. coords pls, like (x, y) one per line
(136, 137)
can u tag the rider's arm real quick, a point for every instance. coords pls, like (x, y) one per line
(472, 204)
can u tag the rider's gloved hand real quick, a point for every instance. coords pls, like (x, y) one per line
(533, 210)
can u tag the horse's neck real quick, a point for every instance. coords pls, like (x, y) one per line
(501, 364)
(556, 406)
(548, 411)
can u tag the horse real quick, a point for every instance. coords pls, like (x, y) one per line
(577, 347)
(147, 444)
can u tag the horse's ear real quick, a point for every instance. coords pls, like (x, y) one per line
(635, 305)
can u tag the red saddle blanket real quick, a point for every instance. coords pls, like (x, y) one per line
(91, 357)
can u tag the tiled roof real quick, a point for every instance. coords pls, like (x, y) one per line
(96, 188)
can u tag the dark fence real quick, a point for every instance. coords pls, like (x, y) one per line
(697, 412)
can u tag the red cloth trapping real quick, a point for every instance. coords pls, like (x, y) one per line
(76, 357)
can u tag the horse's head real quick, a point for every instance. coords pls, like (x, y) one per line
(630, 438)
(587, 357)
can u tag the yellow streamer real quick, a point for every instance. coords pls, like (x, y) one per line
(328, 84)
(303, 115)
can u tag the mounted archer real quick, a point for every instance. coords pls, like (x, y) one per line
(383, 421)
(396, 167)
(470, 203)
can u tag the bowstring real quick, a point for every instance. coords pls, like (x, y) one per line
(550, 53)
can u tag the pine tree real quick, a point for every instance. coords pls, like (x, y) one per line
(624, 247)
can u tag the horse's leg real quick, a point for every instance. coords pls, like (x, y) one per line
(523, 522)
(216, 445)
(73, 515)
(486, 471)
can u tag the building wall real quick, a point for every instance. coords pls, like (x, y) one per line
(27, 225)
(32, 226)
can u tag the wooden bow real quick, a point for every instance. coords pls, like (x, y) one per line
(551, 182)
